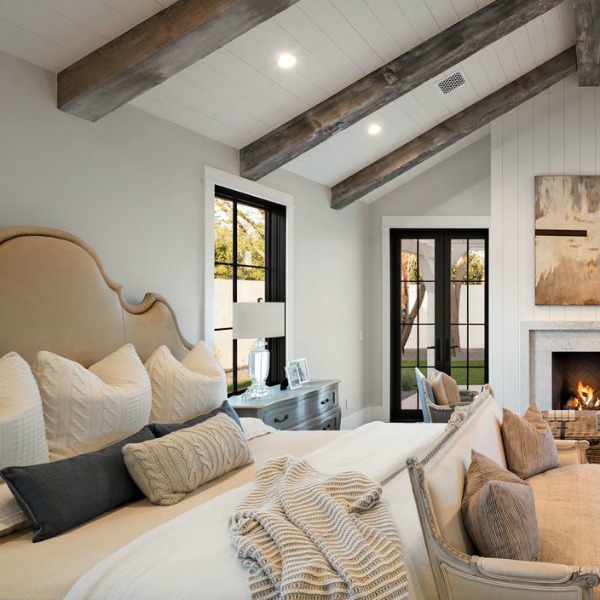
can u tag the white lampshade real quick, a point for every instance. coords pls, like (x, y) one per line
(258, 320)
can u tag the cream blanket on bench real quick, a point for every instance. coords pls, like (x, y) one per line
(304, 534)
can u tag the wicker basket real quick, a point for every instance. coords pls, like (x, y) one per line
(593, 453)
(582, 428)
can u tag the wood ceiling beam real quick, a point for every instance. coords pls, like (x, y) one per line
(452, 130)
(587, 29)
(154, 50)
(387, 84)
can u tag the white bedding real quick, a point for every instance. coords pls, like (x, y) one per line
(193, 553)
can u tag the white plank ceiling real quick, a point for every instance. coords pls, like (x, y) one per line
(237, 94)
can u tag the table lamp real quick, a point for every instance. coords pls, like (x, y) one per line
(258, 320)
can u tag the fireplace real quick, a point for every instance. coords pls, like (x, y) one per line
(576, 380)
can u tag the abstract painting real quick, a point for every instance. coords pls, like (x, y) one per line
(567, 240)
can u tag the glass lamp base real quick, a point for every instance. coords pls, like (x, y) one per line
(258, 369)
(257, 391)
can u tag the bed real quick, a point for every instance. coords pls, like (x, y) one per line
(56, 296)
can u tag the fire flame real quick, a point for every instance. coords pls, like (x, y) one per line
(585, 398)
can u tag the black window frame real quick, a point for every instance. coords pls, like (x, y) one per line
(275, 273)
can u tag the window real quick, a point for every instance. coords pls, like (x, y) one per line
(249, 264)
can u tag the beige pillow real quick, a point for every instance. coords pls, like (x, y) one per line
(168, 468)
(182, 390)
(498, 511)
(445, 389)
(528, 443)
(88, 409)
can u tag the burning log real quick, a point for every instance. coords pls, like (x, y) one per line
(584, 398)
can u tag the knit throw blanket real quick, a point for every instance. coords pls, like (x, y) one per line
(303, 534)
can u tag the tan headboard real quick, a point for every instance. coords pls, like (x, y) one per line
(55, 295)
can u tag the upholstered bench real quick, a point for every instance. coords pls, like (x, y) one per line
(565, 507)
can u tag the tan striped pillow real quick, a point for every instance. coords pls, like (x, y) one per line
(499, 512)
(445, 388)
(528, 443)
(168, 468)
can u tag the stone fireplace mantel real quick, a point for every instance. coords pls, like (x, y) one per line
(538, 340)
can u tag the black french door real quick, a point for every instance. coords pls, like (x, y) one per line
(439, 311)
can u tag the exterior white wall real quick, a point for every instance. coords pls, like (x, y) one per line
(457, 187)
(131, 185)
(555, 133)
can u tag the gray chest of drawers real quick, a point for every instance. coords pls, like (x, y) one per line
(313, 406)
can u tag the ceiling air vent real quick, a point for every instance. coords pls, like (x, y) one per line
(451, 82)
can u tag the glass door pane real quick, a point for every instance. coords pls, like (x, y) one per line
(467, 311)
(414, 317)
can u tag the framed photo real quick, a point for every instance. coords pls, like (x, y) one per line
(302, 366)
(293, 376)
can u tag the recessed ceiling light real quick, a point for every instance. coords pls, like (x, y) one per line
(374, 129)
(286, 60)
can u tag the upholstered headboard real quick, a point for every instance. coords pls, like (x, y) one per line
(55, 295)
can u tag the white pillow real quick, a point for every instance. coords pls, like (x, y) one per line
(182, 390)
(22, 433)
(87, 409)
(12, 518)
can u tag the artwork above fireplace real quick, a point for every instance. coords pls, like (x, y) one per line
(576, 380)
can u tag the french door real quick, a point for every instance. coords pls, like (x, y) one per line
(439, 311)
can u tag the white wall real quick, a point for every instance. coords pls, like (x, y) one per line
(555, 133)
(329, 288)
(459, 186)
(131, 186)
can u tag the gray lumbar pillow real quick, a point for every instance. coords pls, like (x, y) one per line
(62, 494)
(168, 468)
(499, 511)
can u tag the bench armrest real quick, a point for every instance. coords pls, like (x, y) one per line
(502, 568)
(572, 452)
(535, 576)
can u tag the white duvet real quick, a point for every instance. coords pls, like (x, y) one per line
(191, 557)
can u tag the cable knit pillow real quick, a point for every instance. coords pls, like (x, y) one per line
(161, 429)
(499, 511)
(168, 468)
(528, 443)
(88, 409)
(22, 434)
(181, 390)
(445, 389)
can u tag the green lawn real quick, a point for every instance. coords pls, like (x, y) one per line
(459, 372)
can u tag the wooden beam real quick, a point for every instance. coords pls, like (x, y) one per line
(449, 132)
(587, 28)
(387, 84)
(154, 50)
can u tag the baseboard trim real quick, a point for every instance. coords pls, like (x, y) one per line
(366, 415)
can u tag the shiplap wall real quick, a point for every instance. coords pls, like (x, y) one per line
(555, 133)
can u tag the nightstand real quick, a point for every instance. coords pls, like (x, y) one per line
(313, 406)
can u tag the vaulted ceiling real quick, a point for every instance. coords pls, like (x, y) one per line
(237, 94)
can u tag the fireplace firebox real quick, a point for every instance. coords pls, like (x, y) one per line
(576, 380)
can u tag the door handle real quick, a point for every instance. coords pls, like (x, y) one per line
(436, 348)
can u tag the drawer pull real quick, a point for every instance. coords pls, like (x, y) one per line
(324, 402)
(276, 420)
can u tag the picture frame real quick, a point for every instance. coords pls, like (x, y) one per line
(302, 365)
(293, 376)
